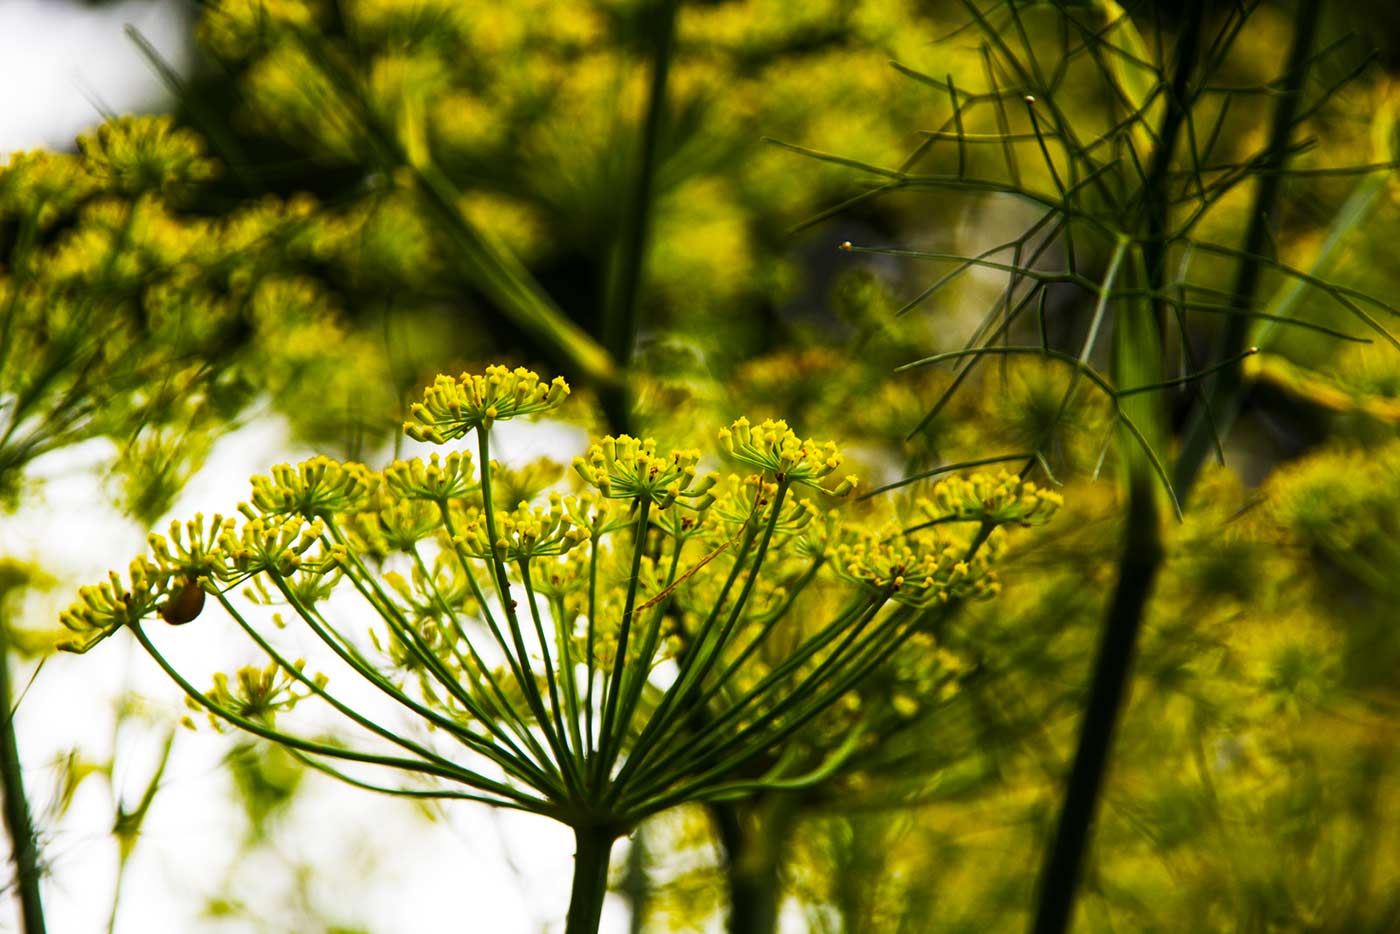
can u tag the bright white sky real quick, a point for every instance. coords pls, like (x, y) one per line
(60, 62)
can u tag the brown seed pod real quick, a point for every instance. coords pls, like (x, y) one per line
(184, 605)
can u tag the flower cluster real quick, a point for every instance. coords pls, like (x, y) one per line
(259, 694)
(452, 408)
(273, 545)
(626, 468)
(914, 570)
(192, 560)
(134, 155)
(192, 547)
(774, 448)
(104, 608)
(1005, 499)
(313, 489)
(43, 186)
(595, 647)
(742, 500)
(524, 533)
(439, 480)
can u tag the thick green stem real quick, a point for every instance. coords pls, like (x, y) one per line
(593, 844)
(1137, 361)
(753, 858)
(23, 848)
(1142, 555)
(1142, 550)
(622, 308)
(1226, 391)
(635, 884)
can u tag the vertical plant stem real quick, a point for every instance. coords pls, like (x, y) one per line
(753, 859)
(1226, 391)
(635, 884)
(621, 310)
(593, 845)
(18, 823)
(1139, 342)
(1142, 551)
(749, 899)
(1156, 188)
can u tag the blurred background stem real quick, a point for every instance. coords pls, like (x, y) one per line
(18, 824)
(1225, 393)
(753, 851)
(1137, 361)
(621, 309)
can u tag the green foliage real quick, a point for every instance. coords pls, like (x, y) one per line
(512, 134)
(128, 316)
(1257, 745)
(1142, 158)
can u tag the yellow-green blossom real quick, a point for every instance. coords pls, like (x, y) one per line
(134, 155)
(314, 488)
(773, 447)
(451, 408)
(628, 468)
(438, 480)
(42, 186)
(104, 608)
(511, 485)
(1003, 499)
(744, 500)
(398, 525)
(257, 694)
(914, 570)
(526, 532)
(275, 545)
(190, 550)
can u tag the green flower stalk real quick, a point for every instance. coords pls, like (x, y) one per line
(595, 657)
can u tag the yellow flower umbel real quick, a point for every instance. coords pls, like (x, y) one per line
(525, 533)
(438, 480)
(452, 408)
(102, 609)
(916, 571)
(259, 694)
(589, 657)
(741, 500)
(317, 487)
(626, 468)
(276, 546)
(136, 155)
(773, 447)
(1005, 499)
(192, 548)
